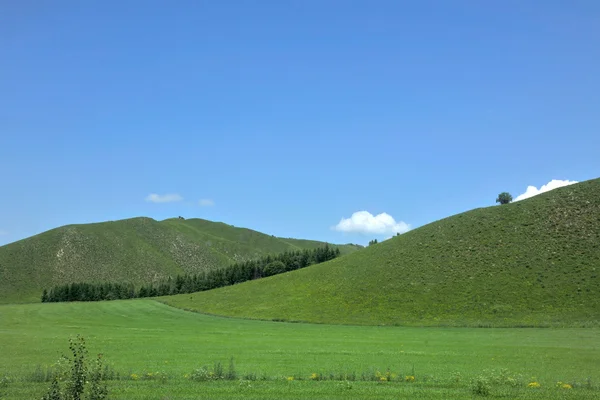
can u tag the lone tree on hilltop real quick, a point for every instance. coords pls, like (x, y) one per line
(504, 198)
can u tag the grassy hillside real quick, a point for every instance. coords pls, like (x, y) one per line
(135, 250)
(533, 263)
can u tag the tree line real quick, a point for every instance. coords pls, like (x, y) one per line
(189, 283)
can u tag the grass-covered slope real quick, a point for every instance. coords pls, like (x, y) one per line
(534, 262)
(134, 250)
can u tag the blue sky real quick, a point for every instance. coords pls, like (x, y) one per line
(287, 116)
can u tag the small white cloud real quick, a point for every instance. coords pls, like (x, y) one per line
(163, 198)
(553, 184)
(206, 203)
(3, 233)
(367, 223)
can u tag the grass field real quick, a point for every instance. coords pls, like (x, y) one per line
(142, 336)
(535, 262)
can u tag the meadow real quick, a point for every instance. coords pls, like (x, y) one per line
(156, 350)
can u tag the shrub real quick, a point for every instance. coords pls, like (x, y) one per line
(274, 268)
(231, 374)
(76, 384)
(201, 375)
(54, 392)
(98, 390)
(481, 386)
(218, 372)
(80, 375)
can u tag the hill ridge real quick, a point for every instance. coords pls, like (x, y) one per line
(138, 250)
(534, 262)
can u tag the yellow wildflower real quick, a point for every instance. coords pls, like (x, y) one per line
(314, 376)
(290, 378)
(534, 385)
(135, 377)
(383, 379)
(409, 378)
(566, 386)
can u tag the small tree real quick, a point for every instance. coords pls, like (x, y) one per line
(372, 242)
(81, 374)
(504, 198)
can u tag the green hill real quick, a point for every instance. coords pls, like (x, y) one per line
(531, 263)
(136, 250)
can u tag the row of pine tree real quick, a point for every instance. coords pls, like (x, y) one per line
(189, 283)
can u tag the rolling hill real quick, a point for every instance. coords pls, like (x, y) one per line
(135, 250)
(535, 262)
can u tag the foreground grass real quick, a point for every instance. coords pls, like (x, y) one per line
(303, 390)
(531, 263)
(143, 336)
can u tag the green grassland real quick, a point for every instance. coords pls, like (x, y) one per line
(531, 263)
(137, 250)
(142, 336)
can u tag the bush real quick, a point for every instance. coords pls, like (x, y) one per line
(98, 390)
(202, 375)
(231, 374)
(481, 386)
(274, 268)
(218, 372)
(54, 392)
(80, 375)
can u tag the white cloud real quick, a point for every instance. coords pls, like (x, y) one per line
(3, 233)
(163, 198)
(206, 203)
(367, 223)
(553, 184)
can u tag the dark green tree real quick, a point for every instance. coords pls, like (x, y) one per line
(274, 268)
(504, 198)
(188, 283)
